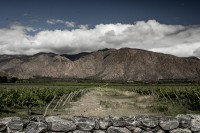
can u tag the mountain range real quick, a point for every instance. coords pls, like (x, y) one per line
(124, 64)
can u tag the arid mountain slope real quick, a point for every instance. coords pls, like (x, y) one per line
(108, 64)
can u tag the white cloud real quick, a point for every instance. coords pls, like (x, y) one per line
(83, 26)
(171, 39)
(55, 21)
(70, 24)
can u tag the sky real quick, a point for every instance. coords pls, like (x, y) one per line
(73, 26)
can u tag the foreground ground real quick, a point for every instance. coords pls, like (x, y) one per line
(104, 102)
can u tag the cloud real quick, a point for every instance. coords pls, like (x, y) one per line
(55, 21)
(83, 26)
(150, 35)
(69, 24)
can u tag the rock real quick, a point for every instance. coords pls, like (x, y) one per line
(4, 122)
(84, 123)
(104, 124)
(119, 122)
(16, 125)
(136, 123)
(99, 131)
(97, 125)
(169, 124)
(195, 125)
(180, 130)
(37, 119)
(78, 131)
(25, 122)
(118, 130)
(57, 124)
(36, 127)
(184, 120)
(137, 130)
(148, 122)
(131, 127)
(2, 127)
(160, 131)
(194, 116)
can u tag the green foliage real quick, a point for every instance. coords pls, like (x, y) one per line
(13, 97)
(185, 96)
(159, 108)
(3, 79)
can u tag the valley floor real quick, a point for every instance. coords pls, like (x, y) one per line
(105, 102)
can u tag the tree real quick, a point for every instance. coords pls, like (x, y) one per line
(13, 80)
(4, 79)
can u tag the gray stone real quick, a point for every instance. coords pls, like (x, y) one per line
(37, 119)
(97, 125)
(169, 124)
(104, 124)
(119, 122)
(57, 124)
(195, 125)
(194, 116)
(131, 127)
(2, 127)
(16, 125)
(118, 130)
(25, 122)
(36, 127)
(184, 120)
(84, 123)
(4, 122)
(148, 122)
(99, 131)
(180, 130)
(78, 131)
(160, 131)
(137, 130)
(136, 123)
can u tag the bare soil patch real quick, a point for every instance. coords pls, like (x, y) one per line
(105, 101)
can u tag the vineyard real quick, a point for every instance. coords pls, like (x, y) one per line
(184, 96)
(45, 98)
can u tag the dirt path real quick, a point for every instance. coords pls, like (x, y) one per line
(104, 102)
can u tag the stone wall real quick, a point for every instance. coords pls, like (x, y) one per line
(79, 124)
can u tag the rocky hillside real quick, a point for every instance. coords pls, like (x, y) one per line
(108, 64)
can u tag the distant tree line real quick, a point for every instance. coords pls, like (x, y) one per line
(5, 79)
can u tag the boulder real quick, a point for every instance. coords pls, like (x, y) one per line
(16, 125)
(113, 129)
(137, 130)
(180, 130)
(169, 124)
(78, 131)
(195, 125)
(4, 122)
(99, 131)
(104, 123)
(36, 127)
(184, 121)
(84, 123)
(148, 122)
(57, 124)
(119, 122)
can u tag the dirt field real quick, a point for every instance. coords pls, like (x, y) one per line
(104, 102)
